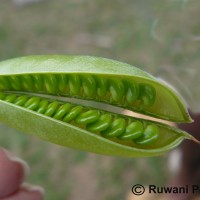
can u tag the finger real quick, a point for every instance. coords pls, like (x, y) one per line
(12, 173)
(27, 193)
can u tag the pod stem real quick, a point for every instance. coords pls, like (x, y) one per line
(195, 140)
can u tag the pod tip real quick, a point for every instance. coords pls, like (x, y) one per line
(195, 140)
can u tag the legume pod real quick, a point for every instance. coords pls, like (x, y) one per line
(29, 101)
(92, 78)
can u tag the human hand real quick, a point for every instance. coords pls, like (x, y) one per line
(12, 174)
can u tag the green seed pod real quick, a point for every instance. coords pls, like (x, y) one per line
(133, 130)
(147, 94)
(117, 128)
(74, 84)
(62, 110)
(149, 136)
(27, 86)
(63, 83)
(102, 87)
(116, 88)
(132, 91)
(73, 113)
(10, 98)
(152, 93)
(50, 84)
(15, 82)
(102, 124)
(87, 117)
(32, 103)
(27, 82)
(89, 86)
(21, 100)
(42, 106)
(51, 109)
(37, 83)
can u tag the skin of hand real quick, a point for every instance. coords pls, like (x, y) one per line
(12, 174)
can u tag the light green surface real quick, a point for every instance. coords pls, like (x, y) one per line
(168, 105)
(64, 134)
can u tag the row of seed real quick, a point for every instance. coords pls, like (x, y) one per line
(96, 121)
(87, 86)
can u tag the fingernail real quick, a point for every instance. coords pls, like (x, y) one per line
(33, 188)
(13, 158)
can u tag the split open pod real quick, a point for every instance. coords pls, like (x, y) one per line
(63, 99)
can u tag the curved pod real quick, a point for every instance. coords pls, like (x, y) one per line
(30, 88)
(94, 78)
(27, 117)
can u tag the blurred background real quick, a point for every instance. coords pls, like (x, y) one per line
(161, 37)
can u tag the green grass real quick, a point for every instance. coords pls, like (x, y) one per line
(161, 37)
